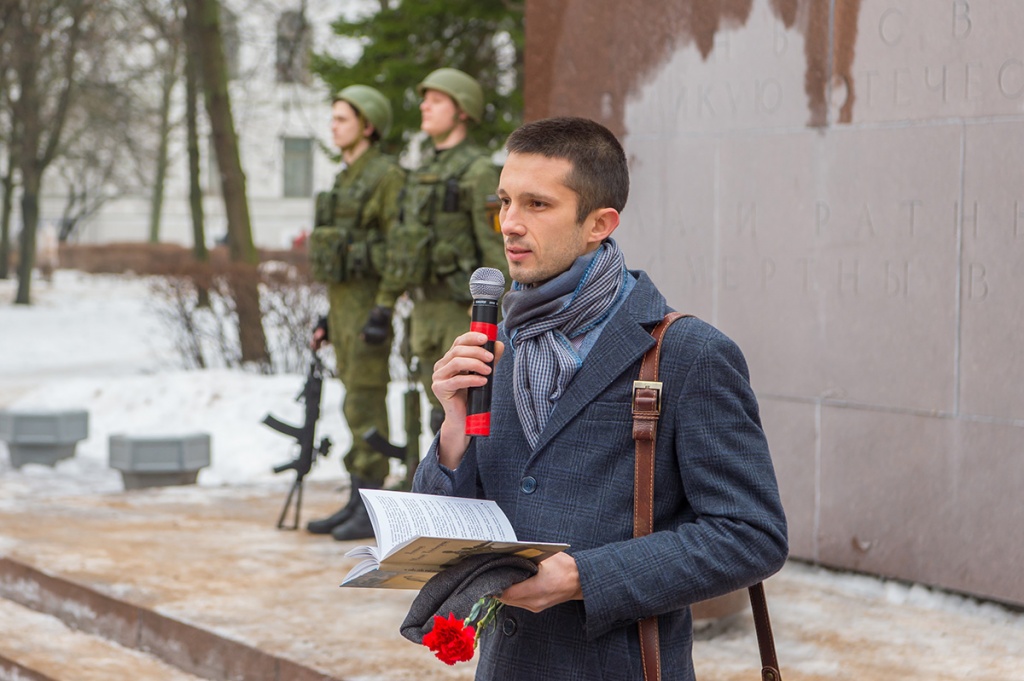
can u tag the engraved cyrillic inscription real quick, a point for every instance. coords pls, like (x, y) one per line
(746, 218)
(977, 285)
(901, 218)
(891, 26)
(961, 19)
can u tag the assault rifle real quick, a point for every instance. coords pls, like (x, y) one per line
(305, 436)
(409, 454)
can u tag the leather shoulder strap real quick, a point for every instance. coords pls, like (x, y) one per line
(647, 392)
(646, 412)
(765, 640)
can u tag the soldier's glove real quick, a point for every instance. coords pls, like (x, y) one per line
(378, 326)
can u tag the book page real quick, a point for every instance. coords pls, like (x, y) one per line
(421, 553)
(413, 562)
(398, 516)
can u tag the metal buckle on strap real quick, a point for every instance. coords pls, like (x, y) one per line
(648, 385)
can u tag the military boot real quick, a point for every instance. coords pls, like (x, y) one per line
(325, 525)
(358, 526)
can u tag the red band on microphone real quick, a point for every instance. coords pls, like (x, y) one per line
(478, 424)
(489, 330)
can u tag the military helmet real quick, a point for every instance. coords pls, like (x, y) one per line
(458, 85)
(371, 104)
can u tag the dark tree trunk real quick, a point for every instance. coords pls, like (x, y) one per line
(156, 205)
(205, 19)
(40, 138)
(27, 240)
(5, 212)
(195, 190)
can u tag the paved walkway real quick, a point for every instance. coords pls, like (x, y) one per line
(205, 568)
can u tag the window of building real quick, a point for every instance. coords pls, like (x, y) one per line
(293, 46)
(298, 167)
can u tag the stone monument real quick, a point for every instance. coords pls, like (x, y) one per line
(839, 186)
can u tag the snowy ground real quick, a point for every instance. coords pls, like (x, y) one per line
(94, 342)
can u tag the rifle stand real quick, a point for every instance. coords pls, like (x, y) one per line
(296, 492)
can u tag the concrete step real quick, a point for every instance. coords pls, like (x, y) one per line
(38, 647)
(109, 623)
(201, 578)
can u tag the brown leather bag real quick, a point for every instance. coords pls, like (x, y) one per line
(646, 412)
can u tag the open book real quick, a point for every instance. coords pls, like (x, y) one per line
(418, 535)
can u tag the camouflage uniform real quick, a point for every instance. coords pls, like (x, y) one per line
(447, 227)
(348, 247)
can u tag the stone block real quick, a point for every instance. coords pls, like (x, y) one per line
(992, 273)
(43, 437)
(928, 501)
(916, 60)
(157, 461)
(791, 428)
(836, 256)
(668, 224)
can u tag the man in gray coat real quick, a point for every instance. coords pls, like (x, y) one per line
(559, 460)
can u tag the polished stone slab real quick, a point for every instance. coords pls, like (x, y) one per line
(920, 60)
(837, 187)
(933, 508)
(992, 272)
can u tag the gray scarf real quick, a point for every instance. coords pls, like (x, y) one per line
(542, 321)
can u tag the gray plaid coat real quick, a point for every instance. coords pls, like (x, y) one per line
(719, 525)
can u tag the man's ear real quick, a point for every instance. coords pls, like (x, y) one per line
(603, 222)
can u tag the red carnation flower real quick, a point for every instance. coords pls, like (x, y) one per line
(451, 640)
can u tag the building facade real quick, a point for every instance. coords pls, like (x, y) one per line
(282, 117)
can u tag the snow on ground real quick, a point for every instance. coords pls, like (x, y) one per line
(95, 342)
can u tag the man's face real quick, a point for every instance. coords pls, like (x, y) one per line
(538, 218)
(438, 113)
(346, 127)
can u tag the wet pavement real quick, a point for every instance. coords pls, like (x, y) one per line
(200, 578)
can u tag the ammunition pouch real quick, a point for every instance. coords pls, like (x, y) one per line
(340, 253)
(434, 240)
(326, 254)
(341, 248)
(454, 256)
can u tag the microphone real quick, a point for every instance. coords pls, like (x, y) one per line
(486, 286)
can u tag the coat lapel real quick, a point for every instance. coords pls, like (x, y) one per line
(622, 342)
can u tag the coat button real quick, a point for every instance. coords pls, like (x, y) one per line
(508, 627)
(529, 485)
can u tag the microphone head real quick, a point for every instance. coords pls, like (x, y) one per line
(487, 283)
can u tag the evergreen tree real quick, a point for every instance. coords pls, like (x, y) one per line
(407, 39)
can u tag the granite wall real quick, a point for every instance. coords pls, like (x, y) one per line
(839, 186)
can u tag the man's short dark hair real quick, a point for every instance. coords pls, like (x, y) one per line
(599, 175)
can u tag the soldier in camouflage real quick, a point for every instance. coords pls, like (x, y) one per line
(447, 224)
(348, 252)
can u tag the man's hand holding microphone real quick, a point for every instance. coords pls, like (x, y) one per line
(462, 382)
(462, 378)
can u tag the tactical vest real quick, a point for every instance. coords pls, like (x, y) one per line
(434, 242)
(341, 247)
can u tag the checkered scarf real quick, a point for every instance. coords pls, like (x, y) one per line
(542, 323)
